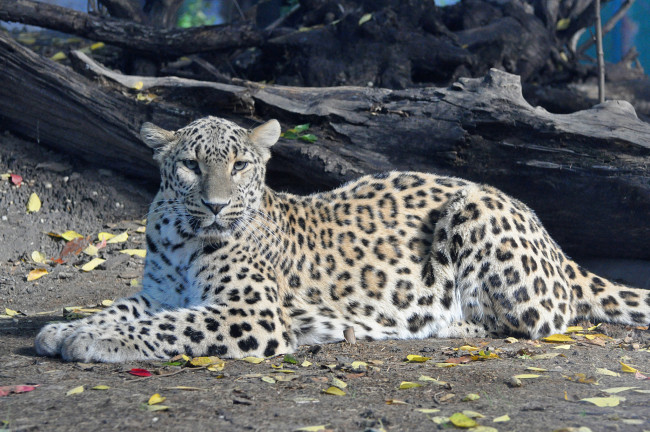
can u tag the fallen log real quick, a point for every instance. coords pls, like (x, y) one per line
(129, 34)
(585, 173)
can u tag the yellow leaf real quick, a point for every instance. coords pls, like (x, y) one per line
(137, 252)
(610, 401)
(428, 410)
(216, 367)
(105, 236)
(503, 418)
(536, 369)
(11, 312)
(413, 358)
(473, 414)
(156, 407)
(407, 385)
(107, 303)
(268, 379)
(306, 364)
(461, 420)
(187, 388)
(595, 327)
(254, 360)
(365, 18)
(356, 365)
(564, 347)
(141, 230)
(120, 238)
(75, 390)
(626, 368)
(618, 389)
(608, 372)
(34, 203)
(70, 235)
(312, 428)
(471, 397)
(205, 361)
(544, 356)
(511, 340)
(526, 376)
(156, 399)
(58, 56)
(288, 371)
(573, 329)
(101, 387)
(433, 380)
(185, 357)
(91, 250)
(38, 257)
(138, 85)
(445, 365)
(563, 24)
(96, 46)
(555, 338)
(440, 420)
(334, 391)
(92, 264)
(468, 348)
(338, 383)
(36, 274)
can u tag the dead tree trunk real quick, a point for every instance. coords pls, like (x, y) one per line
(585, 173)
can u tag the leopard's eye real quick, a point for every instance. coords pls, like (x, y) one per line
(192, 165)
(238, 166)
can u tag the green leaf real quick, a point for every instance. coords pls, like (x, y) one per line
(288, 358)
(290, 134)
(301, 128)
(310, 138)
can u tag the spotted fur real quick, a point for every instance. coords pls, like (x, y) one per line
(234, 268)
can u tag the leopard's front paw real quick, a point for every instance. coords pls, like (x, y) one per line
(49, 340)
(97, 344)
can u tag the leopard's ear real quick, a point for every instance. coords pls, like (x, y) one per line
(157, 138)
(264, 136)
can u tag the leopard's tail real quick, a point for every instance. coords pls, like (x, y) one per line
(597, 298)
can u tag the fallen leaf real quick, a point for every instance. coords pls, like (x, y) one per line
(511, 340)
(13, 313)
(16, 179)
(254, 360)
(33, 203)
(503, 418)
(268, 379)
(141, 230)
(595, 327)
(75, 390)
(16, 389)
(627, 368)
(92, 264)
(573, 329)
(306, 363)
(365, 18)
(58, 56)
(433, 380)
(618, 389)
(470, 397)
(140, 372)
(395, 402)
(36, 274)
(317, 428)
(536, 369)
(526, 376)
(359, 365)
(462, 421)
(107, 303)
(610, 401)
(544, 356)
(137, 252)
(563, 24)
(156, 399)
(138, 85)
(91, 250)
(581, 378)
(206, 361)
(638, 375)
(156, 407)
(558, 338)
(288, 358)
(70, 235)
(349, 336)
(428, 410)
(100, 387)
(469, 348)
(473, 414)
(564, 347)
(414, 358)
(186, 388)
(338, 383)
(445, 365)
(334, 391)
(120, 238)
(38, 257)
(408, 385)
(607, 372)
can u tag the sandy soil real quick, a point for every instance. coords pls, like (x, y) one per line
(93, 199)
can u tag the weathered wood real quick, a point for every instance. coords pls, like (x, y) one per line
(129, 34)
(586, 173)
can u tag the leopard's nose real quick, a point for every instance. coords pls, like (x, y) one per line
(215, 208)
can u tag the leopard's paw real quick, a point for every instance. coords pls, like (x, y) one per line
(96, 344)
(49, 340)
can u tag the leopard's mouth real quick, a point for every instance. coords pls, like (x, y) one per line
(217, 229)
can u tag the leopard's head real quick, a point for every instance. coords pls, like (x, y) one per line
(212, 172)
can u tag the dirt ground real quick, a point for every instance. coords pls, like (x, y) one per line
(261, 397)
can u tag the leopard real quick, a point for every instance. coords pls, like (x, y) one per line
(235, 269)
